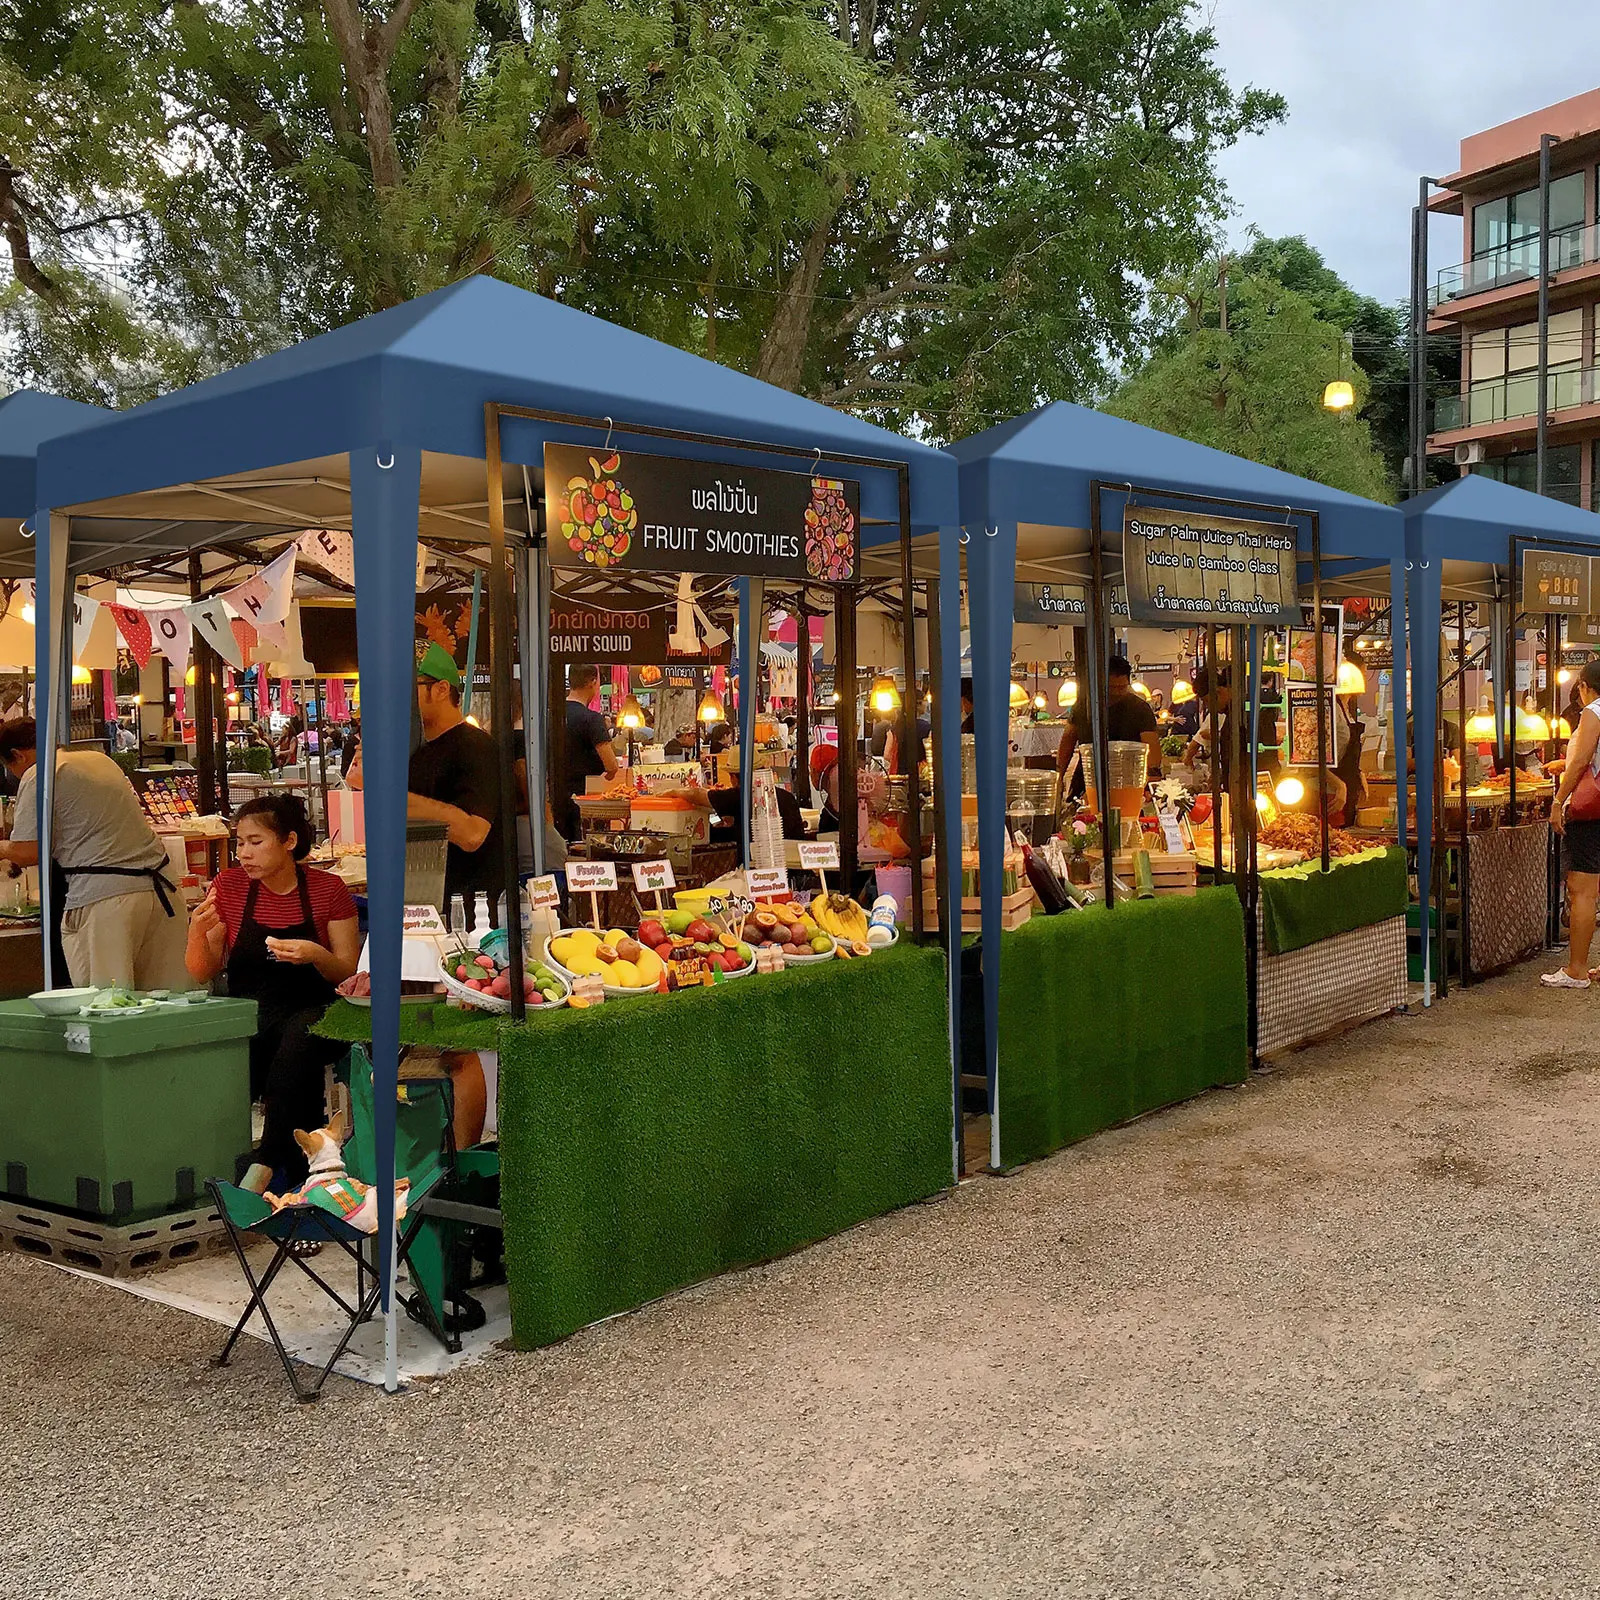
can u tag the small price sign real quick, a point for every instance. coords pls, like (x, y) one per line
(653, 876)
(423, 919)
(1172, 833)
(741, 904)
(590, 877)
(820, 855)
(543, 894)
(765, 882)
(716, 905)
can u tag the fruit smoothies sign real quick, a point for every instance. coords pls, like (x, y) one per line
(649, 513)
(1183, 568)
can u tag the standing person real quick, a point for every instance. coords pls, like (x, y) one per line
(587, 752)
(1128, 719)
(1580, 840)
(455, 779)
(124, 921)
(286, 934)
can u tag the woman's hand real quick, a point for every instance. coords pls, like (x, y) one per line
(206, 921)
(1558, 814)
(298, 952)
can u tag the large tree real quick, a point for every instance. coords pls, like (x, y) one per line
(1243, 369)
(939, 211)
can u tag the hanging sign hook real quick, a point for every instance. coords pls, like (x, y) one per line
(383, 466)
(609, 426)
(26, 529)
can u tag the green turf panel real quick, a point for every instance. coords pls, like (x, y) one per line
(1304, 905)
(1105, 1015)
(649, 1143)
(436, 1026)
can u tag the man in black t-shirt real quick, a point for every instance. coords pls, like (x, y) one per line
(587, 752)
(455, 779)
(1128, 717)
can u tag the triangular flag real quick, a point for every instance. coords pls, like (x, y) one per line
(264, 599)
(134, 627)
(215, 626)
(333, 550)
(173, 635)
(245, 636)
(84, 611)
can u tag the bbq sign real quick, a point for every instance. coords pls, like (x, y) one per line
(1182, 569)
(661, 514)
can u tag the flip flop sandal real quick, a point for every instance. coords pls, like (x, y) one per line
(304, 1249)
(1562, 979)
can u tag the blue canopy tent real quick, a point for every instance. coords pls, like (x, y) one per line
(27, 419)
(392, 427)
(1462, 543)
(1035, 494)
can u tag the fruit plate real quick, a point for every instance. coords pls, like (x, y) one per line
(479, 1000)
(612, 991)
(815, 959)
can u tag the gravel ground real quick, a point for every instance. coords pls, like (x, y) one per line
(1330, 1333)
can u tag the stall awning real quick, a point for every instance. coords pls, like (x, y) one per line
(27, 419)
(1468, 526)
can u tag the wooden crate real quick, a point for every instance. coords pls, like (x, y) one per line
(1169, 874)
(1015, 909)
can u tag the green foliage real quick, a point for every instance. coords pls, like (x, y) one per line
(1255, 387)
(935, 211)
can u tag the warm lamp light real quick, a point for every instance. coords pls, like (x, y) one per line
(1067, 694)
(884, 695)
(1564, 675)
(188, 677)
(630, 714)
(1019, 695)
(710, 708)
(1290, 792)
(1351, 679)
(1480, 726)
(1140, 688)
(1561, 729)
(473, 720)
(1182, 691)
(1339, 395)
(233, 697)
(1039, 702)
(1532, 728)
(82, 675)
(27, 612)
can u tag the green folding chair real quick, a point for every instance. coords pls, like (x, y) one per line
(245, 1215)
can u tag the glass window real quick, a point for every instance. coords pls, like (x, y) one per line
(1561, 469)
(1490, 225)
(1497, 223)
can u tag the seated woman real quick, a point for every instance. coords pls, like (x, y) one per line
(285, 935)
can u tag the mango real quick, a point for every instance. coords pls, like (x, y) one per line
(583, 964)
(624, 975)
(563, 950)
(615, 937)
(649, 966)
(584, 938)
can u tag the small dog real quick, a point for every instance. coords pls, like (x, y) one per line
(330, 1188)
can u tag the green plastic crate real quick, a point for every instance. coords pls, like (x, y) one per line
(123, 1117)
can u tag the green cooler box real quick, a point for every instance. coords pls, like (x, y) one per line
(123, 1117)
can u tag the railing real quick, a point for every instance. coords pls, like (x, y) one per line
(1504, 399)
(1517, 262)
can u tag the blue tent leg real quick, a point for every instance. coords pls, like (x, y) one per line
(1427, 613)
(52, 619)
(947, 742)
(385, 499)
(1397, 686)
(749, 692)
(991, 567)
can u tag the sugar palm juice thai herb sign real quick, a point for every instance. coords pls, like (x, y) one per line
(1181, 569)
(664, 514)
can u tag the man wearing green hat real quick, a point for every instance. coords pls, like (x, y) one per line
(455, 779)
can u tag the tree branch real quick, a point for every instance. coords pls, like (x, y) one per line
(15, 228)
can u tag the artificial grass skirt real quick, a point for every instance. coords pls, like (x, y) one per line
(648, 1143)
(1105, 1015)
(1304, 905)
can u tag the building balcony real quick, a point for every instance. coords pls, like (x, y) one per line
(1496, 400)
(1515, 263)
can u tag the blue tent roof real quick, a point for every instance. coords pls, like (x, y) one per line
(420, 374)
(27, 419)
(1038, 468)
(1473, 519)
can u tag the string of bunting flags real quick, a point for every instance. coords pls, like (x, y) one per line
(233, 623)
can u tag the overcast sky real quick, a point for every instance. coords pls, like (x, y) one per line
(1379, 92)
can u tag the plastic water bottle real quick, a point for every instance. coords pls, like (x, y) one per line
(500, 912)
(480, 914)
(880, 925)
(458, 916)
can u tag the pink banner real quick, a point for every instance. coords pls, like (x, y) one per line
(108, 696)
(338, 705)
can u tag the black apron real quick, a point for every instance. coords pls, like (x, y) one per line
(159, 881)
(280, 989)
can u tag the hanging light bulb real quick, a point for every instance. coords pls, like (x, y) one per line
(1182, 691)
(1564, 676)
(1351, 679)
(630, 714)
(1039, 702)
(884, 695)
(1290, 792)
(233, 697)
(27, 612)
(1480, 725)
(710, 709)
(1339, 395)
(1067, 694)
(1532, 728)
(1019, 696)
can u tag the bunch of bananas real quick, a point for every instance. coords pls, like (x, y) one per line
(839, 915)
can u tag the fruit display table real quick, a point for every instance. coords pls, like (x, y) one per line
(123, 1116)
(652, 1141)
(1105, 1015)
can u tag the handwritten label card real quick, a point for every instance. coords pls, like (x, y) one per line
(819, 854)
(543, 894)
(653, 876)
(764, 882)
(589, 877)
(423, 919)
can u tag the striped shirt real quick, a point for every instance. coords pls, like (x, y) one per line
(331, 901)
